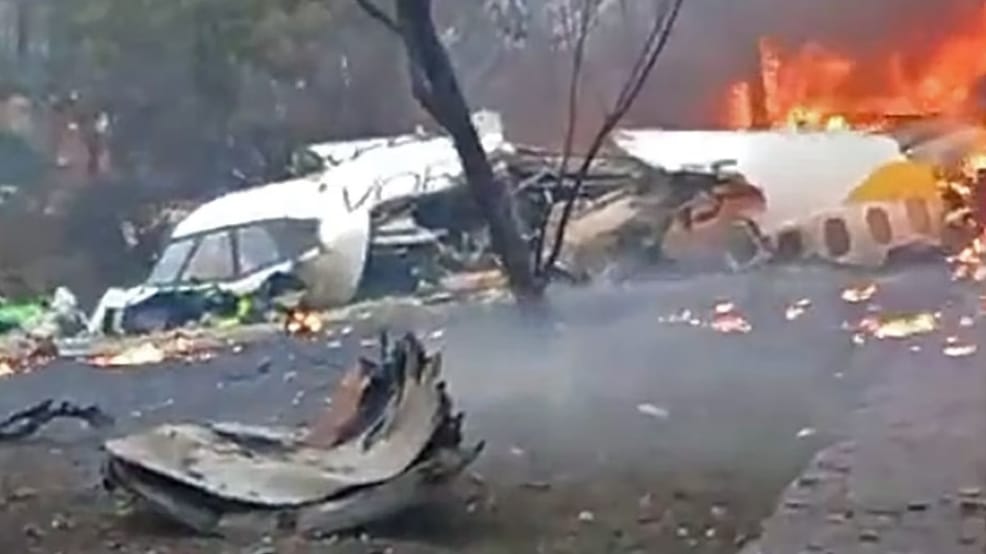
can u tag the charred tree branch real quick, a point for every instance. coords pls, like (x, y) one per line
(377, 13)
(581, 32)
(654, 45)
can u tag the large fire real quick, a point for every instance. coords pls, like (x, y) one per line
(815, 87)
(819, 87)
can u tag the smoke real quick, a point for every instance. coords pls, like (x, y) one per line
(713, 45)
(610, 389)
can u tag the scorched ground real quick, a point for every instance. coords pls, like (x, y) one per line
(632, 423)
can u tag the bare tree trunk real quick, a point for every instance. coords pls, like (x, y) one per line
(436, 88)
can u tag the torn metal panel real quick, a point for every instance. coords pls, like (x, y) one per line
(390, 441)
(221, 465)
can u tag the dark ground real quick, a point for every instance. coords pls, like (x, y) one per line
(572, 464)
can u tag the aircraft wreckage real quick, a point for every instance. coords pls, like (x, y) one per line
(389, 440)
(391, 215)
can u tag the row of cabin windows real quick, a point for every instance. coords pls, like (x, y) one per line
(233, 252)
(837, 239)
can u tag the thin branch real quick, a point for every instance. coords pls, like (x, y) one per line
(585, 21)
(376, 12)
(654, 46)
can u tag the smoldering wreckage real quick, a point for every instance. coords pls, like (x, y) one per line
(391, 216)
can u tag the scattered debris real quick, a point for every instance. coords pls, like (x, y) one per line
(859, 294)
(796, 310)
(30, 420)
(39, 352)
(21, 494)
(653, 411)
(158, 350)
(727, 320)
(539, 486)
(806, 433)
(954, 348)
(899, 326)
(390, 443)
(142, 354)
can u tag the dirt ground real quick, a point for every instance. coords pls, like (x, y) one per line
(45, 510)
(608, 428)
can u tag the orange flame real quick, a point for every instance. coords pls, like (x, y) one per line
(817, 87)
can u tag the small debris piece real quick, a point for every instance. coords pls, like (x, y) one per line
(537, 486)
(917, 507)
(61, 521)
(859, 294)
(970, 492)
(28, 421)
(727, 321)
(21, 494)
(796, 310)
(808, 481)
(957, 349)
(33, 532)
(795, 504)
(869, 535)
(653, 411)
(899, 326)
(725, 308)
(806, 433)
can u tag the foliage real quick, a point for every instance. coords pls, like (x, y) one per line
(20, 163)
(199, 90)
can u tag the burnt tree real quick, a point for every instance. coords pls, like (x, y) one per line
(435, 86)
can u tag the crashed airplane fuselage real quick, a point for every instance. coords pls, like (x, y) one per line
(317, 229)
(843, 196)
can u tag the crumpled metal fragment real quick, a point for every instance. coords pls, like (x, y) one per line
(390, 441)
